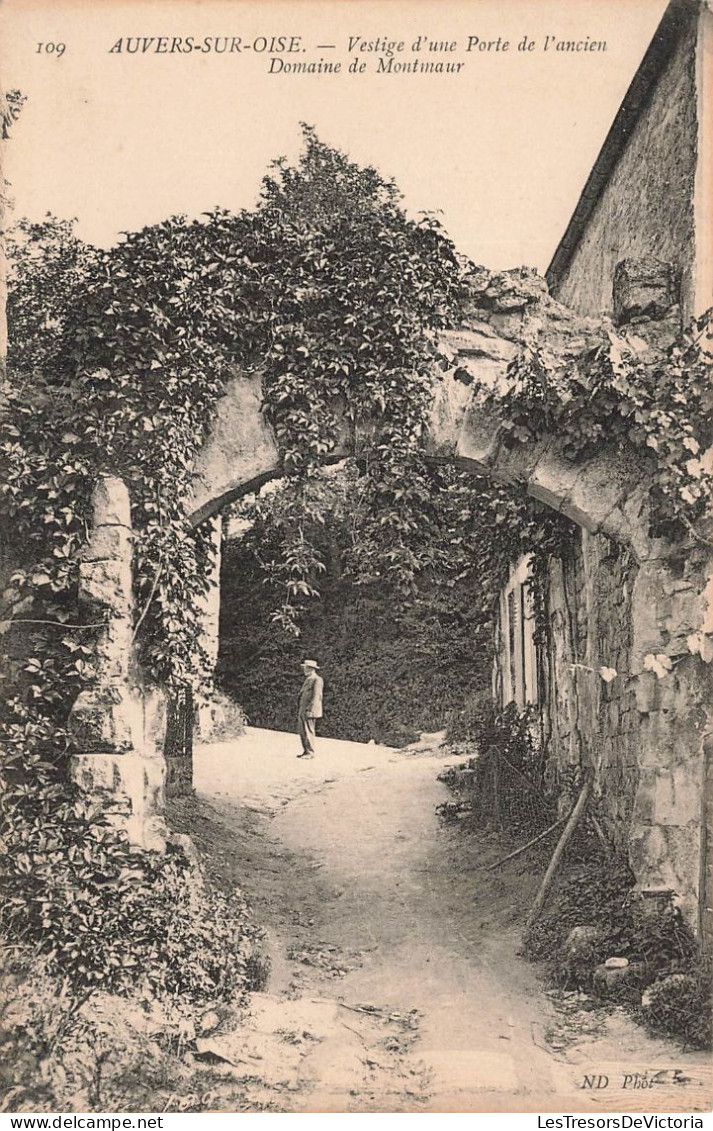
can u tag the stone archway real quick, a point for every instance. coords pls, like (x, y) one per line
(671, 717)
(241, 453)
(606, 496)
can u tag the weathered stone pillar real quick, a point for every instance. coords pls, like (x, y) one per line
(211, 613)
(115, 764)
(672, 623)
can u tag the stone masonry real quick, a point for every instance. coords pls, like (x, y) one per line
(118, 765)
(639, 200)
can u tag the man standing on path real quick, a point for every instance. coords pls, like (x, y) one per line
(310, 707)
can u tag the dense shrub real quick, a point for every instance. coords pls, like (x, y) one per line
(109, 918)
(682, 1004)
(586, 892)
(97, 936)
(466, 724)
(506, 782)
(390, 671)
(484, 724)
(596, 892)
(105, 915)
(62, 1049)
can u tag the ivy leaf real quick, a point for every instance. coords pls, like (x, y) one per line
(660, 664)
(701, 644)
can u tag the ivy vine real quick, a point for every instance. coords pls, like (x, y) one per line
(625, 396)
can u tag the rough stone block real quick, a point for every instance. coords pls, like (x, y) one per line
(685, 613)
(104, 719)
(153, 705)
(583, 942)
(117, 635)
(486, 372)
(451, 398)
(552, 479)
(677, 796)
(648, 855)
(647, 636)
(644, 287)
(478, 441)
(668, 857)
(656, 695)
(106, 584)
(659, 334)
(620, 983)
(479, 340)
(653, 901)
(130, 790)
(514, 290)
(110, 502)
(516, 326)
(515, 464)
(108, 542)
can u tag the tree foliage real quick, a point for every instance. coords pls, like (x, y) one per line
(627, 396)
(394, 666)
(326, 287)
(46, 263)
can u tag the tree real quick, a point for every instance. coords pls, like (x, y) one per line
(46, 263)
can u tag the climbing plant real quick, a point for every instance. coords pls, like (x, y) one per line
(118, 358)
(336, 297)
(46, 263)
(326, 287)
(622, 394)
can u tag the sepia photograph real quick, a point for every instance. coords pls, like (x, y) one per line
(356, 560)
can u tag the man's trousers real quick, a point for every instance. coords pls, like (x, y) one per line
(307, 732)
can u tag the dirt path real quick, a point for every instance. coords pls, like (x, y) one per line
(395, 983)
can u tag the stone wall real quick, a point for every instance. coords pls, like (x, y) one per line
(645, 208)
(671, 618)
(643, 734)
(624, 601)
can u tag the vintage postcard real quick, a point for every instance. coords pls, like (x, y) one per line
(355, 496)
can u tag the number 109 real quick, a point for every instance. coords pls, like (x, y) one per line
(51, 48)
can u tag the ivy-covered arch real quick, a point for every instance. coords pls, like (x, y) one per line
(604, 489)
